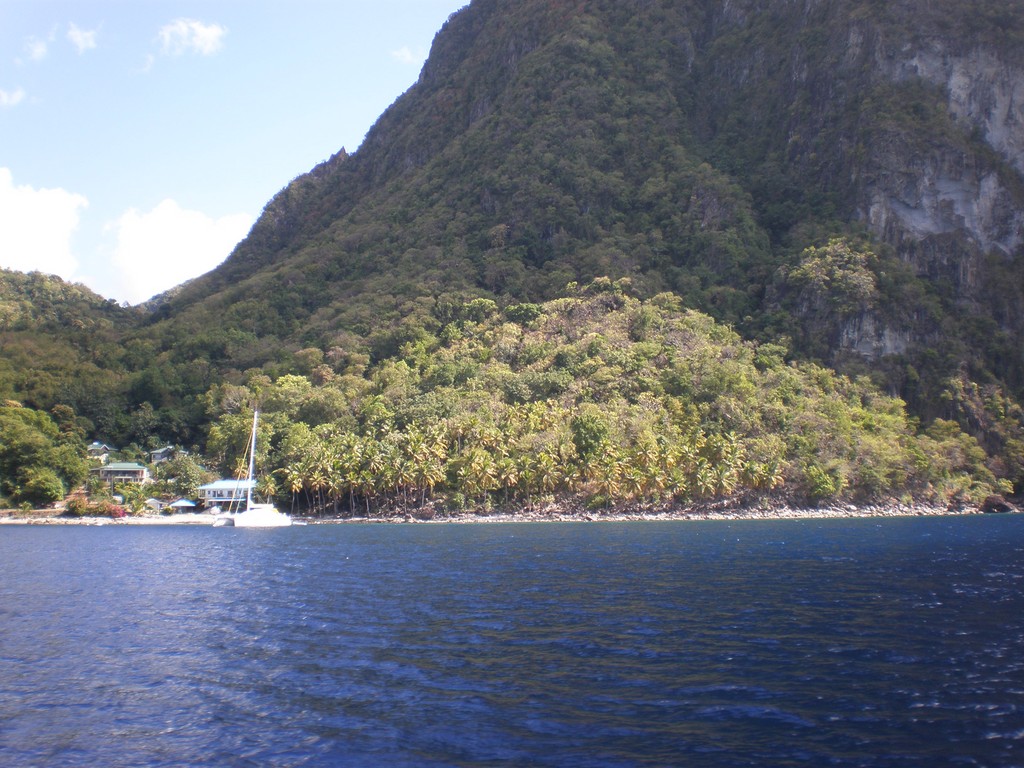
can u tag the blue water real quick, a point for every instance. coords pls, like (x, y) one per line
(789, 643)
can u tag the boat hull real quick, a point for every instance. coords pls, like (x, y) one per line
(257, 516)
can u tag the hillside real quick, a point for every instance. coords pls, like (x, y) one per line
(710, 149)
(598, 398)
(680, 142)
(60, 343)
(845, 177)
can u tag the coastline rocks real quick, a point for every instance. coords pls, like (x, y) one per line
(996, 504)
(572, 510)
(49, 518)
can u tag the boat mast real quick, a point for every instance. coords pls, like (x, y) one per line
(252, 461)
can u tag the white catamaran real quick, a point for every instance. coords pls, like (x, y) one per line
(254, 515)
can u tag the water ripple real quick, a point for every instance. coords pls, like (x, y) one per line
(843, 643)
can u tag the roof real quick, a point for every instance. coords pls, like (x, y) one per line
(130, 466)
(228, 485)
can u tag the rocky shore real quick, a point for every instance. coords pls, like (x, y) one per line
(571, 513)
(557, 512)
(52, 517)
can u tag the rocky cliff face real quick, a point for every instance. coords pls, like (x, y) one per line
(946, 205)
(907, 117)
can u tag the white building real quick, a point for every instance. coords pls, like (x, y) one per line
(225, 492)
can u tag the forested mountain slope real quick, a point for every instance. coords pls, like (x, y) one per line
(688, 143)
(597, 397)
(61, 344)
(843, 176)
(846, 174)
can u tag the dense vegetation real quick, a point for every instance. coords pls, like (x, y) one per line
(41, 457)
(61, 344)
(724, 158)
(597, 396)
(702, 148)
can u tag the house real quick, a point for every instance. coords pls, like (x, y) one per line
(100, 451)
(123, 472)
(161, 455)
(225, 492)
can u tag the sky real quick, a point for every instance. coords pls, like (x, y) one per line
(141, 139)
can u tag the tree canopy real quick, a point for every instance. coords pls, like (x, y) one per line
(598, 396)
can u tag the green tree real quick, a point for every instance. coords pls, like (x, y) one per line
(134, 495)
(183, 475)
(40, 486)
(38, 463)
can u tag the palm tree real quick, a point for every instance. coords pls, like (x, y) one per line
(549, 472)
(724, 479)
(266, 487)
(134, 496)
(506, 475)
(370, 469)
(607, 474)
(317, 480)
(702, 479)
(350, 458)
(404, 474)
(294, 479)
(526, 469)
(336, 481)
(477, 473)
(634, 480)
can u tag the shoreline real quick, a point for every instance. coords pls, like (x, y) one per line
(553, 513)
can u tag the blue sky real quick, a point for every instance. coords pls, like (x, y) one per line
(140, 139)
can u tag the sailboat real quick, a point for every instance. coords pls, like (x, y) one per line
(255, 515)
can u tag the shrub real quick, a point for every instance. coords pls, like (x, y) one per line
(821, 483)
(523, 314)
(108, 509)
(77, 506)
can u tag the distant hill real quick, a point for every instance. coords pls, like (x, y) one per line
(60, 343)
(844, 176)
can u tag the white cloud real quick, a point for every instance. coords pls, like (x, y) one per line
(168, 245)
(83, 39)
(11, 98)
(36, 226)
(191, 36)
(406, 55)
(36, 48)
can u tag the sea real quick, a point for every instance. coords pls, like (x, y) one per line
(894, 642)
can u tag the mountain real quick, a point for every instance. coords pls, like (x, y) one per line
(840, 179)
(679, 141)
(847, 175)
